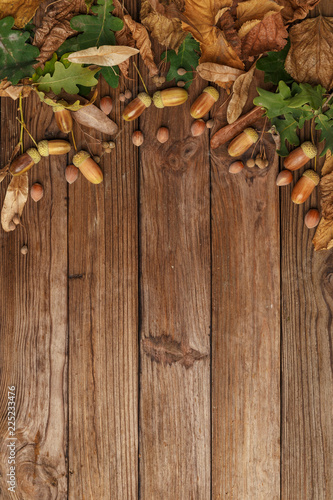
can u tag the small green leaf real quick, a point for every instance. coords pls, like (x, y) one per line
(111, 75)
(67, 79)
(276, 103)
(48, 68)
(287, 128)
(186, 58)
(308, 95)
(273, 66)
(96, 30)
(324, 123)
(16, 56)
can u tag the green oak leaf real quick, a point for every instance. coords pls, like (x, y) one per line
(111, 75)
(287, 129)
(16, 56)
(324, 123)
(313, 96)
(187, 58)
(95, 30)
(67, 79)
(48, 68)
(276, 103)
(273, 66)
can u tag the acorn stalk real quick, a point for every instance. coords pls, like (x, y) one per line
(170, 97)
(64, 120)
(88, 167)
(204, 103)
(55, 147)
(243, 142)
(24, 162)
(300, 156)
(304, 187)
(136, 107)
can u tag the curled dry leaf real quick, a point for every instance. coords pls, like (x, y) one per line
(323, 239)
(15, 199)
(14, 91)
(106, 55)
(22, 10)
(296, 9)
(55, 28)
(310, 58)
(326, 188)
(93, 117)
(218, 73)
(240, 95)
(142, 42)
(268, 35)
(124, 36)
(163, 23)
(226, 24)
(255, 9)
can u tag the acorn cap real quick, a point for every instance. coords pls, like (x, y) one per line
(157, 98)
(252, 133)
(311, 174)
(43, 148)
(145, 98)
(34, 155)
(80, 157)
(213, 92)
(309, 149)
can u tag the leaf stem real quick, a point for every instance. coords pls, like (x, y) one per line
(74, 143)
(27, 131)
(143, 83)
(21, 131)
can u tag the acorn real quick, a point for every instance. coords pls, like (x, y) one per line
(162, 135)
(170, 97)
(63, 119)
(204, 103)
(312, 218)
(300, 156)
(55, 147)
(243, 142)
(88, 167)
(24, 162)
(106, 104)
(236, 167)
(284, 178)
(304, 187)
(136, 107)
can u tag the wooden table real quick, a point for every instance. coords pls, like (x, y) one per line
(169, 331)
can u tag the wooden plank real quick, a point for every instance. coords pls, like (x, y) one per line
(103, 324)
(175, 309)
(34, 320)
(245, 329)
(307, 381)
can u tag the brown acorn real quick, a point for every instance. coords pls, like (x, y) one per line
(136, 107)
(24, 162)
(170, 97)
(204, 103)
(300, 156)
(64, 120)
(304, 187)
(88, 167)
(54, 147)
(243, 142)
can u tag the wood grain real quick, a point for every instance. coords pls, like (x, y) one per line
(245, 329)
(307, 361)
(175, 309)
(34, 321)
(103, 323)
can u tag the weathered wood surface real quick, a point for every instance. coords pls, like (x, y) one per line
(245, 327)
(142, 331)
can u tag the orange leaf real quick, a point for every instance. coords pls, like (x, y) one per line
(269, 34)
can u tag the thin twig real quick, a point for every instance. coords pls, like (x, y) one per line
(143, 83)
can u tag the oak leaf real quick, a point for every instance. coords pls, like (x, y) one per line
(15, 199)
(296, 9)
(218, 73)
(22, 10)
(240, 94)
(167, 31)
(106, 55)
(310, 58)
(268, 35)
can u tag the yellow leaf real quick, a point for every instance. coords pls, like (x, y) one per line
(106, 55)
(22, 10)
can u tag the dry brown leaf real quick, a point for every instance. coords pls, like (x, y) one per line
(14, 91)
(296, 9)
(15, 199)
(255, 9)
(93, 117)
(323, 239)
(168, 32)
(240, 95)
(142, 42)
(226, 24)
(218, 73)
(55, 27)
(22, 10)
(270, 34)
(326, 188)
(106, 55)
(310, 58)
(3, 174)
